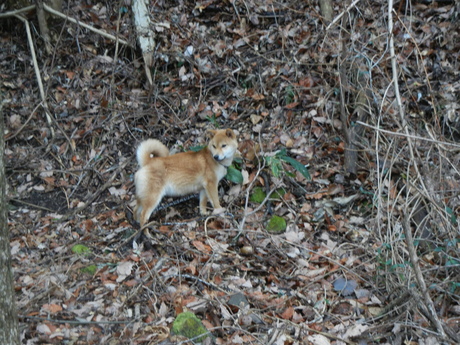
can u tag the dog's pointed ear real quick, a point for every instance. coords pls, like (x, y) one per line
(210, 133)
(229, 133)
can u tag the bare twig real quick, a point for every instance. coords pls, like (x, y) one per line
(336, 19)
(406, 226)
(16, 12)
(9, 137)
(248, 190)
(51, 10)
(117, 47)
(326, 9)
(100, 32)
(325, 334)
(36, 69)
(406, 135)
(99, 191)
(76, 322)
(419, 277)
(38, 207)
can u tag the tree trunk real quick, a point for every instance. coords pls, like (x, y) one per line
(145, 35)
(326, 10)
(9, 331)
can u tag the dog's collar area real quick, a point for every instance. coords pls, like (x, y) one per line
(221, 162)
(225, 166)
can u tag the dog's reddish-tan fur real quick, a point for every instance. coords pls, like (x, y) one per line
(182, 173)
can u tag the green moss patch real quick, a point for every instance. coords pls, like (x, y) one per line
(189, 325)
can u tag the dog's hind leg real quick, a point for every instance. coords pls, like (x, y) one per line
(146, 206)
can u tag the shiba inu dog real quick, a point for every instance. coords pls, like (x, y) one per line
(183, 173)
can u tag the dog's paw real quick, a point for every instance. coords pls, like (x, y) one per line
(218, 210)
(204, 212)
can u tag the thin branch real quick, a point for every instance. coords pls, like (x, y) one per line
(36, 69)
(77, 322)
(13, 135)
(414, 259)
(47, 8)
(336, 19)
(16, 12)
(407, 230)
(100, 32)
(93, 197)
(405, 135)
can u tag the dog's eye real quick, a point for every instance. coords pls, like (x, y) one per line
(224, 146)
(214, 146)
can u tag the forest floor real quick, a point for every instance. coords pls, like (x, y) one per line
(364, 250)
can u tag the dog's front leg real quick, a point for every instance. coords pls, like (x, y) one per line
(203, 202)
(213, 195)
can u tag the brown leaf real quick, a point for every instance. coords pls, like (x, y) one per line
(131, 283)
(292, 105)
(287, 314)
(258, 96)
(306, 82)
(52, 308)
(202, 247)
(343, 308)
(50, 180)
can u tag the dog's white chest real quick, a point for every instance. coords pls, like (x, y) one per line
(221, 172)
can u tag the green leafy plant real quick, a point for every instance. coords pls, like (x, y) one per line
(276, 166)
(452, 216)
(234, 175)
(213, 119)
(453, 286)
(245, 83)
(289, 95)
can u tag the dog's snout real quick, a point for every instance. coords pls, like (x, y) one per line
(216, 157)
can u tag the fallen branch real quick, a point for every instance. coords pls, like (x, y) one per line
(100, 32)
(16, 12)
(336, 19)
(51, 10)
(10, 136)
(37, 70)
(93, 197)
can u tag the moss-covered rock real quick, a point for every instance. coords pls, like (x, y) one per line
(276, 224)
(91, 269)
(258, 195)
(189, 325)
(80, 249)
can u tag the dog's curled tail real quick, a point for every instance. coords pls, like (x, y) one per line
(149, 149)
